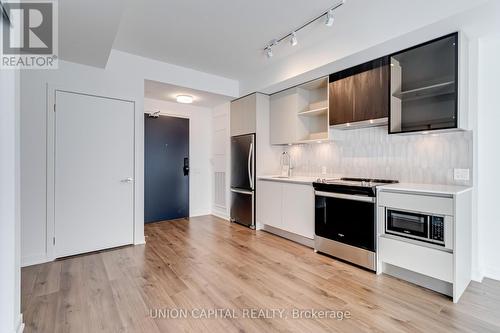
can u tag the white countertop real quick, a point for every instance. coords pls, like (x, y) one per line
(294, 179)
(406, 187)
(427, 188)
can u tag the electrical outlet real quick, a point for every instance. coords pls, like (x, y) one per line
(461, 174)
(323, 170)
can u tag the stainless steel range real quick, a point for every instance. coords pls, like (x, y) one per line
(345, 219)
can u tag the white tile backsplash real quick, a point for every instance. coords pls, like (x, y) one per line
(372, 153)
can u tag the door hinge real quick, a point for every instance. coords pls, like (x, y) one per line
(53, 240)
(54, 108)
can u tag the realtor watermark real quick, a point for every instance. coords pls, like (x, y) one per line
(29, 34)
(249, 313)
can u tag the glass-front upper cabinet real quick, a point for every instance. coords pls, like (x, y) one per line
(424, 87)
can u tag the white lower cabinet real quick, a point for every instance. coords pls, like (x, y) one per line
(445, 268)
(298, 209)
(430, 262)
(269, 203)
(286, 206)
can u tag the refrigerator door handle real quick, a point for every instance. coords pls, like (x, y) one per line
(241, 191)
(250, 165)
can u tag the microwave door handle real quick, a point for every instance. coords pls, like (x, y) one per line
(429, 226)
(386, 219)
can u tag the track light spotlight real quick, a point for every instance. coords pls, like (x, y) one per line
(269, 52)
(293, 39)
(329, 18)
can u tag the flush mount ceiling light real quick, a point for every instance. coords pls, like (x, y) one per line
(184, 99)
(293, 35)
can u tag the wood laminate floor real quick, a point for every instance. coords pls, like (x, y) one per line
(206, 264)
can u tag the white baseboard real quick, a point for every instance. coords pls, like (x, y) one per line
(199, 213)
(34, 260)
(140, 242)
(491, 273)
(220, 215)
(20, 324)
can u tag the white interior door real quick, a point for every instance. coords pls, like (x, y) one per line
(94, 170)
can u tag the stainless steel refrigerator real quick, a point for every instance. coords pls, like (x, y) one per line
(243, 180)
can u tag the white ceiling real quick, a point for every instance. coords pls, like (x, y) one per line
(169, 92)
(222, 37)
(87, 29)
(226, 37)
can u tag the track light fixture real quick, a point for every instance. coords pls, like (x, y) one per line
(293, 39)
(329, 19)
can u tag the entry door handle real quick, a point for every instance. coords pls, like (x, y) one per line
(185, 168)
(127, 180)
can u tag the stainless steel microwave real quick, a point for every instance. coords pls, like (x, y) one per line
(428, 228)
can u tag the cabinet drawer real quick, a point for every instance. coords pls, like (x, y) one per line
(417, 203)
(434, 263)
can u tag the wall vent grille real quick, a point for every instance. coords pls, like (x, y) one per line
(220, 189)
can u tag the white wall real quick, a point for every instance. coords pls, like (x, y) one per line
(123, 78)
(488, 156)
(10, 275)
(221, 146)
(149, 69)
(200, 150)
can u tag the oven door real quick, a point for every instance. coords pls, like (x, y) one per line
(349, 219)
(407, 224)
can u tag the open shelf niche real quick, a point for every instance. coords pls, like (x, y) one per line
(313, 110)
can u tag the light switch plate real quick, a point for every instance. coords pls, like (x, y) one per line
(323, 170)
(461, 174)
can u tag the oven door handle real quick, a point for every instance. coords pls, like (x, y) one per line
(345, 196)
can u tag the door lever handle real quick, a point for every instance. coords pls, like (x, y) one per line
(185, 168)
(127, 180)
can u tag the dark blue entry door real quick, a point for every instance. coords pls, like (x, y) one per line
(166, 168)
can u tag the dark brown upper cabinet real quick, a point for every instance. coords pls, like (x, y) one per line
(371, 94)
(360, 93)
(341, 101)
